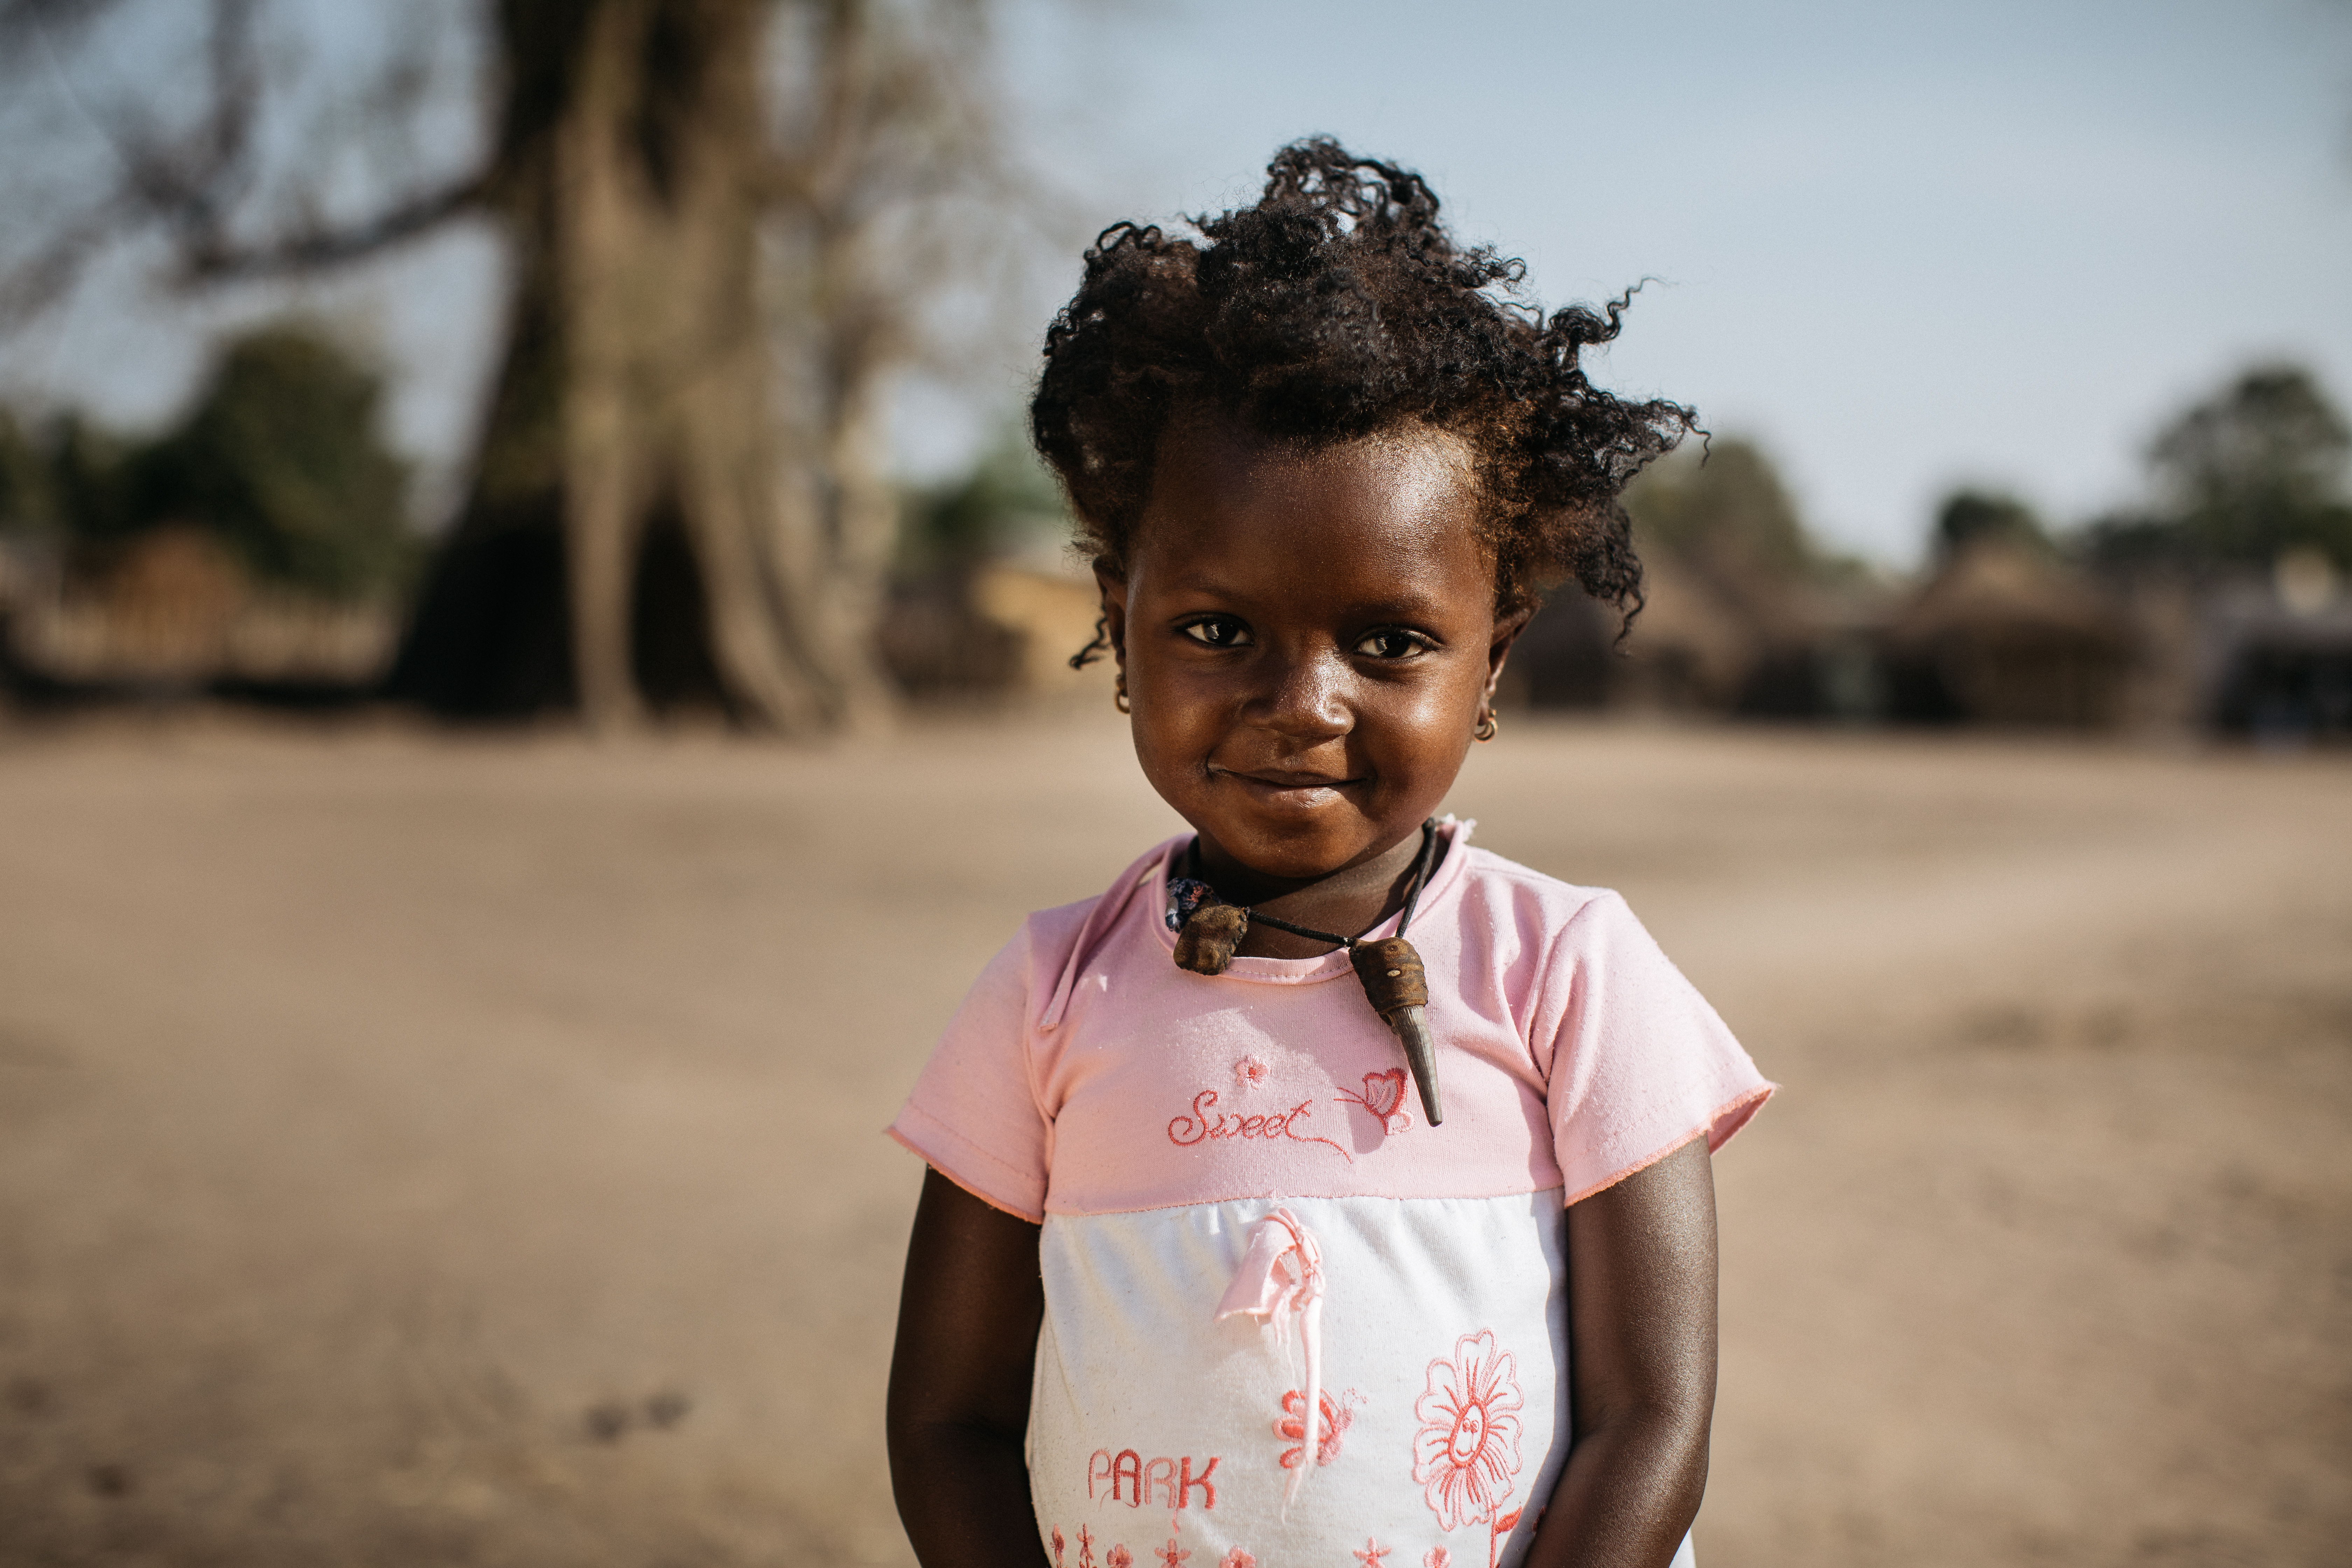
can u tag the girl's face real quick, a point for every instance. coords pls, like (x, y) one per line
(1307, 638)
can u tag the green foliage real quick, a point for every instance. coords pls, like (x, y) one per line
(94, 472)
(28, 499)
(1967, 516)
(68, 480)
(1729, 512)
(27, 490)
(281, 457)
(1007, 498)
(2257, 470)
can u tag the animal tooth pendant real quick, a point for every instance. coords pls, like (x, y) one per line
(1205, 942)
(1208, 931)
(1398, 988)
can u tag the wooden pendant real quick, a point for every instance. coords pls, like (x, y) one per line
(1398, 988)
(1205, 942)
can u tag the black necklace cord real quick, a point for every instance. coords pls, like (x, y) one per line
(1390, 970)
(1413, 887)
(1421, 866)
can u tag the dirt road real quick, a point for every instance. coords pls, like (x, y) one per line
(428, 1151)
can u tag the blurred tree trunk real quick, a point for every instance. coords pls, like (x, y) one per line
(870, 102)
(714, 249)
(631, 169)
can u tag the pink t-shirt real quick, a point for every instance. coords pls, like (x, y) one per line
(1159, 1123)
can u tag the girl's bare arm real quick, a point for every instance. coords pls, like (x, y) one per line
(959, 1402)
(1640, 1331)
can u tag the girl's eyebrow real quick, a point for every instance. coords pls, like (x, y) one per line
(1412, 609)
(1205, 583)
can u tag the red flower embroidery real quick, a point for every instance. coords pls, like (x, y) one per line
(1468, 1447)
(1250, 1071)
(1436, 1557)
(1293, 1426)
(1086, 1547)
(1372, 1553)
(1237, 1558)
(1058, 1544)
(1119, 1557)
(1169, 1555)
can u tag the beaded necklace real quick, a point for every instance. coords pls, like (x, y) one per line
(1209, 930)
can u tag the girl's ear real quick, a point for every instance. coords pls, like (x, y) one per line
(1506, 632)
(1114, 609)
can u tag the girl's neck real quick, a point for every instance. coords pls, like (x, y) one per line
(1350, 900)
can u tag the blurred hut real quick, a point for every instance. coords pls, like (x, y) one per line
(938, 644)
(2281, 654)
(1743, 614)
(992, 628)
(1712, 634)
(2234, 575)
(1050, 604)
(256, 547)
(2003, 633)
(988, 601)
(154, 609)
(174, 611)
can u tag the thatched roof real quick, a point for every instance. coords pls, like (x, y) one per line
(1997, 586)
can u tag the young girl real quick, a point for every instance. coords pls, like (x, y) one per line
(1236, 1249)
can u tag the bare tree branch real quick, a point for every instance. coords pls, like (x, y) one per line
(39, 281)
(42, 20)
(189, 181)
(214, 260)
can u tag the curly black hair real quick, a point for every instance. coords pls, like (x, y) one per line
(1338, 307)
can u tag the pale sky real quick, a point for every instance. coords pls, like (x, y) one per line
(1905, 246)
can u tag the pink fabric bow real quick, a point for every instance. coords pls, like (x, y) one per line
(1282, 1273)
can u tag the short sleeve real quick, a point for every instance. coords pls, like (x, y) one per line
(1642, 1064)
(973, 1114)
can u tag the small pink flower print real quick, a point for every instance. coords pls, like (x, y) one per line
(1250, 1071)
(1468, 1447)
(1118, 1557)
(1436, 1557)
(1237, 1558)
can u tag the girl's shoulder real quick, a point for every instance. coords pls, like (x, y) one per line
(1545, 941)
(1053, 929)
(1493, 891)
(1063, 923)
(1484, 869)
(1052, 945)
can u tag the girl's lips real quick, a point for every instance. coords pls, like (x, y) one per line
(1288, 789)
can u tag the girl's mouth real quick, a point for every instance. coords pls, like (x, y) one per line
(1301, 790)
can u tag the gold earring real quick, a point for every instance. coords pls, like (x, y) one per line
(1119, 694)
(1488, 725)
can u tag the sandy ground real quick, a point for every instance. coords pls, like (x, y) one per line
(425, 1150)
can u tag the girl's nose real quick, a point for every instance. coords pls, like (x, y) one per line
(1304, 696)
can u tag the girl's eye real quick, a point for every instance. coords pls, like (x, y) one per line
(1391, 644)
(1217, 631)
